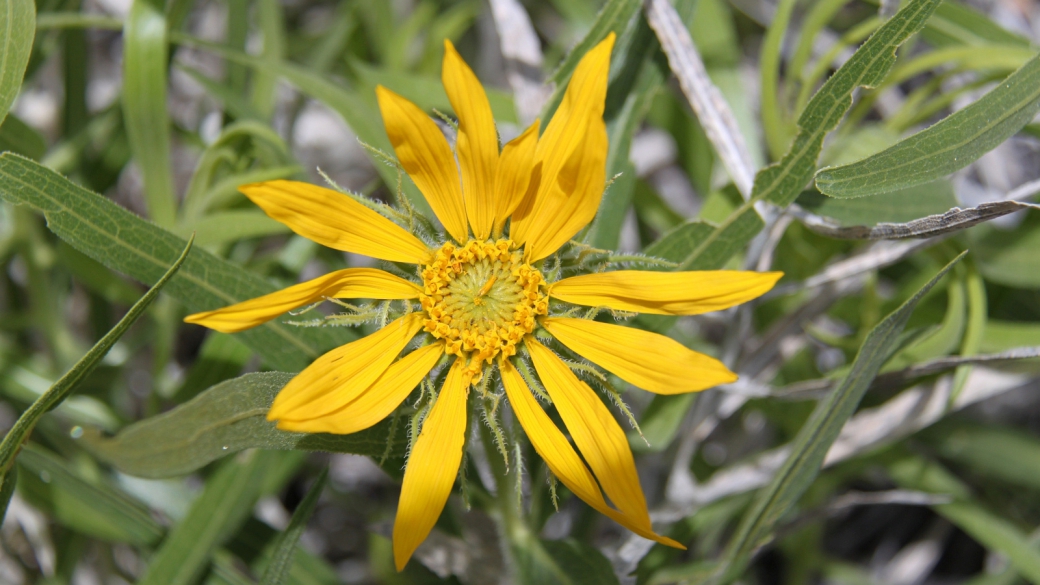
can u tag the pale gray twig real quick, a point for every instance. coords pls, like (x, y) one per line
(706, 100)
(926, 227)
(523, 56)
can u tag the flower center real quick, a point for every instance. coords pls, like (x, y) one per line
(481, 299)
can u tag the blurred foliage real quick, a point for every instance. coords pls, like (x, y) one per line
(885, 427)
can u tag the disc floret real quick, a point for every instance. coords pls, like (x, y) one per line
(481, 299)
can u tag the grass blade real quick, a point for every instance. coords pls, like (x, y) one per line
(225, 419)
(277, 571)
(144, 105)
(947, 146)
(124, 242)
(16, 41)
(816, 436)
(19, 433)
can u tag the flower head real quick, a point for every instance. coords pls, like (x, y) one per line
(480, 299)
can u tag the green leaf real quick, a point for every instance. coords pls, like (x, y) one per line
(776, 122)
(660, 422)
(1003, 335)
(19, 433)
(277, 571)
(122, 241)
(782, 182)
(816, 436)
(561, 562)
(681, 240)
(17, 136)
(947, 146)
(92, 508)
(221, 227)
(7, 490)
(956, 23)
(225, 419)
(640, 73)
(990, 530)
(234, 103)
(144, 105)
(998, 452)
(17, 31)
(220, 358)
(225, 502)
(613, 17)
(272, 27)
(896, 207)
(1009, 257)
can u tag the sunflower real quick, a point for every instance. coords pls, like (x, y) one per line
(480, 300)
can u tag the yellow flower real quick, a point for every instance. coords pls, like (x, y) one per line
(481, 296)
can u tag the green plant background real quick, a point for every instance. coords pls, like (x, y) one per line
(884, 156)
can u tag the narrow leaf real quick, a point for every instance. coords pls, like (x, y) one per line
(947, 146)
(19, 433)
(144, 105)
(225, 419)
(277, 571)
(17, 30)
(613, 17)
(816, 436)
(124, 242)
(561, 562)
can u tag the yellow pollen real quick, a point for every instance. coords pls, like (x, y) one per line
(481, 299)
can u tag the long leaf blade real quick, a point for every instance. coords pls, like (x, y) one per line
(225, 419)
(16, 41)
(144, 105)
(947, 146)
(19, 433)
(277, 571)
(124, 242)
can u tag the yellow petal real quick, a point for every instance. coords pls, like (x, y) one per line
(432, 466)
(337, 221)
(650, 361)
(477, 142)
(513, 175)
(595, 432)
(426, 157)
(572, 202)
(556, 451)
(350, 283)
(571, 155)
(664, 293)
(341, 375)
(379, 400)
